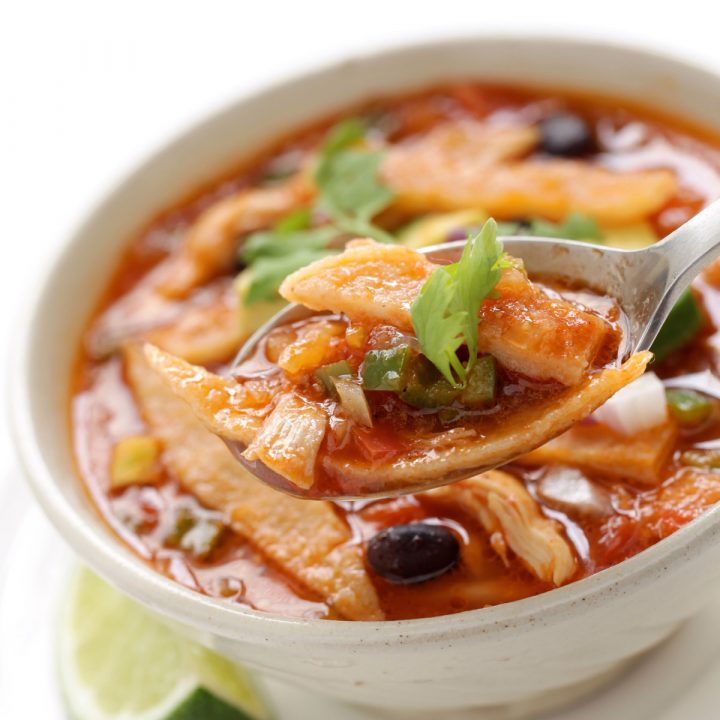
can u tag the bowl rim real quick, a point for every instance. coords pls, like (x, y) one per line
(109, 556)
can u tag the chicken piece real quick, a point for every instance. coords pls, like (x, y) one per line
(203, 334)
(597, 448)
(524, 329)
(210, 243)
(290, 440)
(474, 165)
(512, 518)
(308, 540)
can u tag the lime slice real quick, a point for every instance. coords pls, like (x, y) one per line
(118, 662)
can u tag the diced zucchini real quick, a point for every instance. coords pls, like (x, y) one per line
(479, 390)
(683, 323)
(135, 461)
(327, 373)
(385, 369)
(688, 406)
(434, 229)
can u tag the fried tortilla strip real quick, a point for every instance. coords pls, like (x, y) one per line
(463, 166)
(209, 245)
(525, 329)
(513, 435)
(639, 457)
(512, 518)
(226, 407)
(306, 539)
(290, 440)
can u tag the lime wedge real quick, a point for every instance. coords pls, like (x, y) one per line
(118, 662)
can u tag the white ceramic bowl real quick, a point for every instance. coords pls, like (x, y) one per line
(524, 653)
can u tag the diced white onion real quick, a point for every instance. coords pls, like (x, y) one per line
(353, 401)
(636, 407)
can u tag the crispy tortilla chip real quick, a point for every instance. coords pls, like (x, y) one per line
(504, 506)
(307, 539)
(225, 407)
(470, 166)
(525, 329)
(597, 448)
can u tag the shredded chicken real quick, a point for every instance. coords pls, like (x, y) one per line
(290, 440)
(211, 241)
(459, 166)
(525, 329)
(510, 515)
(308, 540)
(639, 457)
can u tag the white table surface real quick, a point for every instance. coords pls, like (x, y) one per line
(88, 87)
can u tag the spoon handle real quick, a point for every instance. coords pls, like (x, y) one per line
(679, 258)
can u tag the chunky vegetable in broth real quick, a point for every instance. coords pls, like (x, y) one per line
(406, 172)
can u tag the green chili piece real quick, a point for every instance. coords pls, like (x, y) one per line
(683, 323)
(481, 382)
(326, 373)
(385, 369)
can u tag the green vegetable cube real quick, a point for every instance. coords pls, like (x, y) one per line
(479, 391)
(688, 406)
(683, 323)
(326, 374)
(386, 369)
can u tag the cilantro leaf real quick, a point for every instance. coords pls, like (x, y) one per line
(349, 188)
(445, 313)
(267, 273)
(272, 243)
(438, 326)
(350, 194)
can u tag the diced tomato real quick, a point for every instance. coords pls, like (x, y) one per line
(376, 445)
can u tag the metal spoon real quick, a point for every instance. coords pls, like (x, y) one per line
(646, 283)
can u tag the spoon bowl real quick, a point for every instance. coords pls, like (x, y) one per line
(646, 284)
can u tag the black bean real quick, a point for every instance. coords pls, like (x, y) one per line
(566, 135)
(412, 553)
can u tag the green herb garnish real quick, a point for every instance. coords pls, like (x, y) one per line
(349, 195)
(347, 179)
(445, 313)
(267, 273)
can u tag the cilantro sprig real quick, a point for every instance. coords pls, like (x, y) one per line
(350, 195)
(445, 313)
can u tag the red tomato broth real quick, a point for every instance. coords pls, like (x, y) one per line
(103, 409)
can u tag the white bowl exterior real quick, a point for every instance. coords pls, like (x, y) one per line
(493, 656)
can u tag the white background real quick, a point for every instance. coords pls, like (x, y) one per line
(88, 88)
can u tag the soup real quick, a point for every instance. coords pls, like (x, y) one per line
(409, 172)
